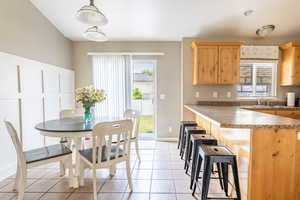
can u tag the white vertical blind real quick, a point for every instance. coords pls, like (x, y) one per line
(113, 75)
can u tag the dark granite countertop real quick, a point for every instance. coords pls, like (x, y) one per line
(237, 117)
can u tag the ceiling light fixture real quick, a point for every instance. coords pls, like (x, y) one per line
(91, 15)
(265, 30)
(248, 13)
(95, 34)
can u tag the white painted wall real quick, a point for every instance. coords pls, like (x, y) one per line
(30, 92)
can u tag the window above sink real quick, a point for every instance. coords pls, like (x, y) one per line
(257, 79)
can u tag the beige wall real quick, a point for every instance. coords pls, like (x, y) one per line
(168, 75)
(189, 91)
(27, 33)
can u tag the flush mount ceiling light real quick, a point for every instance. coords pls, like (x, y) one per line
(91, 15)
(95, 34)
(248, 12)
(265, 30)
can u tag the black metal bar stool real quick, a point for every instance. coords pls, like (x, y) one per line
(188, 132)
(195, 141)
(211, 155)
(181, 139)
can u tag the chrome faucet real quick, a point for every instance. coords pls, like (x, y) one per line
(259, 101)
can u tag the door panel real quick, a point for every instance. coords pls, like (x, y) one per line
(229, 64)
(51, 109)
(10, 112)
(51, 80)
(8, 77)
(67, 81)
(31, 79)
(32, 107)
(296, 67)
(67, 101)
(206, 66)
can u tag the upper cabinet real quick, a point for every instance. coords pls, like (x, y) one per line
(216, 63)
(290, 65)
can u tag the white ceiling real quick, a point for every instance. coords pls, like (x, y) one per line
(171, 20)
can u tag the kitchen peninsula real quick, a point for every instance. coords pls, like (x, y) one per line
(274, 148)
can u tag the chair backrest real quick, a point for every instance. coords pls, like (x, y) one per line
(106, 133)
(134, 115)
(69, 113)
(15, 139)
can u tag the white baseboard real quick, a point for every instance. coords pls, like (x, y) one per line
(8, 171)
(167, 139)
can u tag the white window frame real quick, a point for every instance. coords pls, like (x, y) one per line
(274, 78)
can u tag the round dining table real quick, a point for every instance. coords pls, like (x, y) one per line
(73, 129)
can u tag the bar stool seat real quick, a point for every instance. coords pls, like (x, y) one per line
(195, 142)
(216, 154)
(181, 139)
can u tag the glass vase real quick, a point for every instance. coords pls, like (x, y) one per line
(88, 114)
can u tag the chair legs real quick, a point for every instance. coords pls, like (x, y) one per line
(81, 173)
(137, 149)
(17, 180)
(112, 170)
(22, 183)
(129, 175)
(71, 175)
(94, 184)
(62, 169)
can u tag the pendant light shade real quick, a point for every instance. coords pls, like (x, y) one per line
(91, 15)
(95, 34)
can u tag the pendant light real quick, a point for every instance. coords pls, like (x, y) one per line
(95, 34)
(91, 15)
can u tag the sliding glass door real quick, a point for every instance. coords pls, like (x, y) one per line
(129, 84)
(143, 95)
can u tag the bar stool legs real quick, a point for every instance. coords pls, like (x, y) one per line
(222, 157)
(196, 141)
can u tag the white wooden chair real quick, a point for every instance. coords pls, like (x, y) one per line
(36, 157)
(105, 154)
(135, 117)
(68, 113)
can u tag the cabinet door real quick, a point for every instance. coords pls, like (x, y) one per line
(286, 68)
(296, 69)
(229, 64)
(67, 101)
(205, 65)
(51, 109)
(10, 112)
(67, 81)
(32, 111)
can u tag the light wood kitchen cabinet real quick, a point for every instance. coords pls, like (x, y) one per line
(290, 65)
(216, 63)
(206, 65)
(229, 67)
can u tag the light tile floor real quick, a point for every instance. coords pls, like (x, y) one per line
(160, 176)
